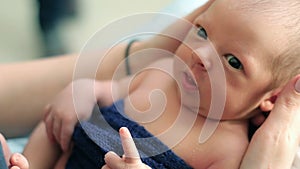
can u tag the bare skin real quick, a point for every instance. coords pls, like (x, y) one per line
(288, 102)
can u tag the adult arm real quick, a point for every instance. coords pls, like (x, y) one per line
(26, 87)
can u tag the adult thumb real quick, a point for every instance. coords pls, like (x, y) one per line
(278, 137)
(286, 111)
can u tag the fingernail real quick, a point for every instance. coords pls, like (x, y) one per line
(297, 86)
(16, 158)
(110, 152)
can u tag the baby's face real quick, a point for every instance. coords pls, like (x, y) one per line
(244, 42)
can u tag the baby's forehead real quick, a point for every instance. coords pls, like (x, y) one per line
(270, 17)
(238, 23)
(277, 23)
(277, 12)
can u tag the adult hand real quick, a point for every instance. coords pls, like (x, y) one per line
(73, 103)
(130, 160)
(275, 143)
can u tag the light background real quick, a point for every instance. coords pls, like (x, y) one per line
(20, 36)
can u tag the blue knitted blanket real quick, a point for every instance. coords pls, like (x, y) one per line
(93, 139)
(2, 158)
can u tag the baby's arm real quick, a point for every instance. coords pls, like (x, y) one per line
(73, 103)
(77, 101)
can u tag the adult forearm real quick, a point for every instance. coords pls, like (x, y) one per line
(25, 89)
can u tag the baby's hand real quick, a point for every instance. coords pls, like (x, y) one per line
(73, 103)
(18, 161)
(131, 158)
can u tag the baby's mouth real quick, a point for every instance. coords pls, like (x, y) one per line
(189, 81)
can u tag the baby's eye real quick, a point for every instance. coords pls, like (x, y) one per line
(202, 32)
(234, 62)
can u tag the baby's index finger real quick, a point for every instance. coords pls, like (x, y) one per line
(131, 153)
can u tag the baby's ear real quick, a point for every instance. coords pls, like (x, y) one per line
(268, 102)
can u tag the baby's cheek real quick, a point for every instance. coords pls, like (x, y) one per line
(183, 52)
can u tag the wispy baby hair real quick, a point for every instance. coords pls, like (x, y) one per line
(284, 14)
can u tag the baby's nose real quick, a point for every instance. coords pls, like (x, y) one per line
(201, 61)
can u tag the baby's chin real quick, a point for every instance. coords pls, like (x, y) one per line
(217, 116)
(233, 117)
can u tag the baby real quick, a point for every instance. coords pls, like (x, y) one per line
(256, 43)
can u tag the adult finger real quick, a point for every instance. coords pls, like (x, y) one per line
(287, 106)
(48, 119)
(57, 128)
(49, 127)
(66, 134)
(47, 111)
(131, 153)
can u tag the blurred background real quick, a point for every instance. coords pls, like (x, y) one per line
(38, 28)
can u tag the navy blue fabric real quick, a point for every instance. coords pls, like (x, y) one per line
(93, 139)
(2, 158)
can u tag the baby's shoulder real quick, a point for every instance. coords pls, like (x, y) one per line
(158, 75)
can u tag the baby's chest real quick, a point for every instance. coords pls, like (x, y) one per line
(225, 147)
(198, 155)
(179, 136)
(155, 107)
(156, 94)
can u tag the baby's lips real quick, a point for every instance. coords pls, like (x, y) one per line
(297, 85)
